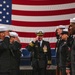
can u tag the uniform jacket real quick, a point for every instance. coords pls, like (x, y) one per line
(63, 53)
(7, 55)
(57, 50)
(73, 57)
(70, 41)
(41, 56)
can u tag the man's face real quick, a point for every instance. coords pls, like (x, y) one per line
(2, 35)
(70, 29)
(40, 37)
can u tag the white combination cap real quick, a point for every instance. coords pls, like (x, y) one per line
(65, 31)
(61, 26)
(40, 32)
(13, 34)
(3, 28)
(72, 20)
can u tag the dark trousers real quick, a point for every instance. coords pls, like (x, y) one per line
(12, 72)
(63, 71)
(57, 70)
(4, 73)
(73, 68)
(39, 71)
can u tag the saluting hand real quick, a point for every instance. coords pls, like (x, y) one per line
(36, 39)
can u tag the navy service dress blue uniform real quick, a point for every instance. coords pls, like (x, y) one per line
(41, 56)
(72, 24)
(8, 56)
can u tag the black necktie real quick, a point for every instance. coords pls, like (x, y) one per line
(39, 44)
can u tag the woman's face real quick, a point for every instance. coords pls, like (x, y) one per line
(64, 36)
(59, 31)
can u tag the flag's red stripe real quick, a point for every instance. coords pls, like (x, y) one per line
(52, 45)
(41, 2)
(43, 13)
(40, 24)
(32, 35)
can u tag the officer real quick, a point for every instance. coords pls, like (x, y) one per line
(72, 32)
(70, 39)
(59, 30)
(7, 56)
(63, 52)
(4, 51)
(41, 57)
(15, 49)
(70, 43)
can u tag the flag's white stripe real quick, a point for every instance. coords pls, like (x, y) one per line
(43, 7)
(28, 40)
(42, 18)
(31, 29)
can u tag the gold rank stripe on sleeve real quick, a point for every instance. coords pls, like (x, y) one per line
(49, 61)
(31, 44)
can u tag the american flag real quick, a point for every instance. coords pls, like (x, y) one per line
(27, 16)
